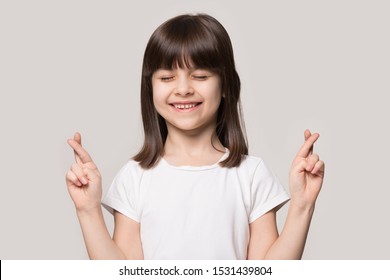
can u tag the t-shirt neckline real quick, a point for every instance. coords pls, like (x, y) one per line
(197, 168)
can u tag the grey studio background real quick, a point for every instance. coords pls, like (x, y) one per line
(69, 66)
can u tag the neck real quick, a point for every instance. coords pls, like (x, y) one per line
(193, 147)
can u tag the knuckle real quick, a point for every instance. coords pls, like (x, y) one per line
(77, 169)
(68, 175)
(71, 177)
(314, 157)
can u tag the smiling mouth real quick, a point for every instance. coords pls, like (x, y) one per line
(185, 106)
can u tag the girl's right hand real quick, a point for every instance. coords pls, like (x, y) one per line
(83, 179)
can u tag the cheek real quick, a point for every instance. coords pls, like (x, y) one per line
(157, 96)
(159, 102)
(215, 94)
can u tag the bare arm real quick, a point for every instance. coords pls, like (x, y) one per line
(97, 238)
(84, 185)
(127, 237)
(263, 233)
(265, 242)
(306, 177)
(126, 242)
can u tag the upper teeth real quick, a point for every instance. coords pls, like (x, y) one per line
(184, 106)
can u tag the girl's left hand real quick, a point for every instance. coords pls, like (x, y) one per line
(306, 174)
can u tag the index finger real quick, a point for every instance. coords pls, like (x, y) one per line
(79, 151)
(307, 135)
(77, 138)
(307, 147)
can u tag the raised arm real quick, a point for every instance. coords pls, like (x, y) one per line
(84, 185)
(306, 177)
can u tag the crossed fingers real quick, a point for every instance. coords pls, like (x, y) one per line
(307, 147)
(80, 154)
(314, 164)
(78, 171)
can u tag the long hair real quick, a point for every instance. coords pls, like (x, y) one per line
(198, 41)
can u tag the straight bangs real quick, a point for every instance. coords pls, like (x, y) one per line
(184, 43)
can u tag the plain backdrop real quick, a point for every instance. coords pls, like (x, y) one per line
(68, 66)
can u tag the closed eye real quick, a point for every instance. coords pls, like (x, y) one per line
(200, 77)
(167, 78)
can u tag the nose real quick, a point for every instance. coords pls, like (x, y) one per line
(183, 86)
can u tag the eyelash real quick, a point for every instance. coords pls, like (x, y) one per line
(166, 79)
(201, 77)
(196, 77)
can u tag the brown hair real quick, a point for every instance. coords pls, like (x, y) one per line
(198, 41)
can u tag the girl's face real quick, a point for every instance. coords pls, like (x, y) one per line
(188, 99)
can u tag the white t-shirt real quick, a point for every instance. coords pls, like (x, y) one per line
(188, 212)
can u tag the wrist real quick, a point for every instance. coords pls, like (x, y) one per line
(93, 211)
(302, 208)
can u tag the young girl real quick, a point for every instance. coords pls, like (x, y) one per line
(192, 192)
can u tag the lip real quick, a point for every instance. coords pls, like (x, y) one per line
(182, 110)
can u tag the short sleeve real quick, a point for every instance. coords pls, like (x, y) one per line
(123, 194)
(266, 192)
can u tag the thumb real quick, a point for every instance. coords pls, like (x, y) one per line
(299, 167)
(92, 175)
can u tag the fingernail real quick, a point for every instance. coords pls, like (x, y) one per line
(84, 181)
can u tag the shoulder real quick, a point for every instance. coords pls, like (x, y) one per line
(255, 167)
(248, 167)
(252, 160)
(132, 164)
(131, 169)
(251, 163)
